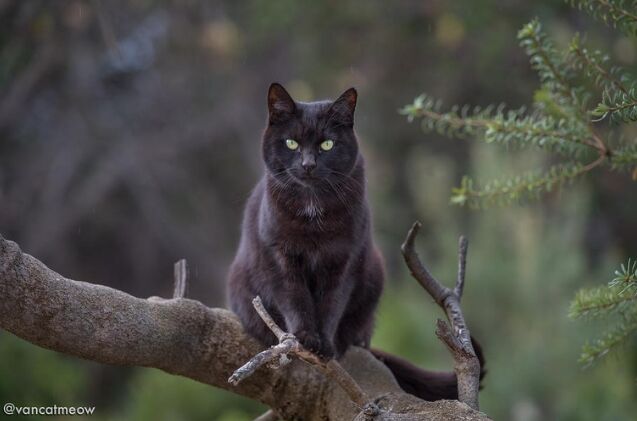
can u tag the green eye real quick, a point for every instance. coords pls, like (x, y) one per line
(292, 144)
(327, 145)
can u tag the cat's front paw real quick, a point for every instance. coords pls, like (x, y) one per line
(327, 350)
(310, 340)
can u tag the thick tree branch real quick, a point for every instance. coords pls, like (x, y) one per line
(458, 341)
(184, 337)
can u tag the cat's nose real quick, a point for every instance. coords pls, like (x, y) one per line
(309, 163)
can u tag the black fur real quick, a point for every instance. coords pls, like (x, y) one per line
(427, 385)
(306, 246)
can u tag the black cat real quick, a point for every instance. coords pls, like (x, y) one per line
(306, 246)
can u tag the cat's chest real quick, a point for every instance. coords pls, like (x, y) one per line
(307, 228)
(308, 239)
(311, 255)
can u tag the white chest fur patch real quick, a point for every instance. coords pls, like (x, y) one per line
(311, 210)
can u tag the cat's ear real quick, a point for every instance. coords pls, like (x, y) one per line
(342, 110)
(281, 106)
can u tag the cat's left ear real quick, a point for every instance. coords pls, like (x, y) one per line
(343, 108)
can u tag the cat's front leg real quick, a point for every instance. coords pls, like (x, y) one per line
(294, 301)
(335, 291)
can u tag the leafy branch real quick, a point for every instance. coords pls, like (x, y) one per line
(620, 106)
(591, 352)
(559, 122)
(595, 302)
(517, 189)
(618, 301)
(495, 125)
(553, 69)
(612, 12)
(593, 62)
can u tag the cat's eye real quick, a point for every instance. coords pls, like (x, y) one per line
(292, 144)
(327, 145)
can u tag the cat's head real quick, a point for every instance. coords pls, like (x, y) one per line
(310, 143)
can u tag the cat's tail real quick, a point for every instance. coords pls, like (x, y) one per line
(427, 385)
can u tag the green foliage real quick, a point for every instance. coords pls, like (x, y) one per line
(620, 106)
(626, 278)
(560, 123)
(596, 302)
(595, 65)
(513, 128)
(616, 13)
(619, 96)
(625, 158)
(516, 189)
(554, 70)
(616, 301)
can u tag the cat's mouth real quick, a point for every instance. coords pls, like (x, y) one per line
(304, 178)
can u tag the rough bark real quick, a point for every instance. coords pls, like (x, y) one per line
(184, 337)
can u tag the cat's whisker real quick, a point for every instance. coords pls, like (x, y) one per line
(348, 177)
(340, 195)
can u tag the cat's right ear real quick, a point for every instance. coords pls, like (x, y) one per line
(281, 106)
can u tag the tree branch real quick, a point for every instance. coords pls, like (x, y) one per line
(458, 341)
(184, 337)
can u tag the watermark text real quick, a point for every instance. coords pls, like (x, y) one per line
(12, 409)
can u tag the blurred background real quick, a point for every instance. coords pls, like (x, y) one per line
(130, 138)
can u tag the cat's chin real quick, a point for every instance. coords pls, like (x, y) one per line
(307, 181)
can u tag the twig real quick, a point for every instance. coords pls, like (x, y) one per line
(457, 337)
(262, 358)
(181, 278)
(268, 320)
(288, 345)
(269, 415)
(463, 244)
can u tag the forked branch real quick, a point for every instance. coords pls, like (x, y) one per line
(457, 338)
